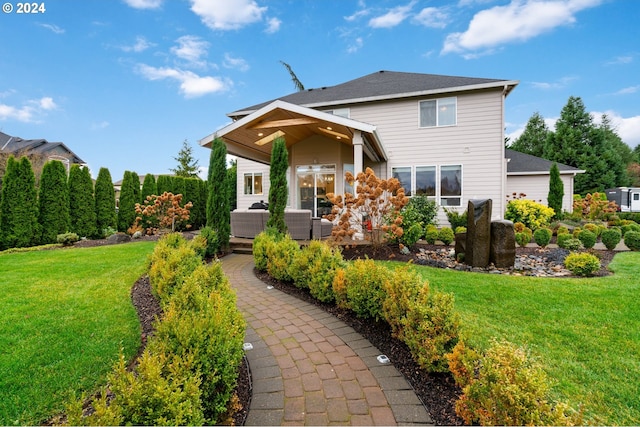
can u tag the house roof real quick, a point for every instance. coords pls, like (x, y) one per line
(15, 144)
(383, 85)
(526, 164)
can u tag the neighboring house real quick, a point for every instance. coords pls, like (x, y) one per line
(529, 175)
(40, 147)
(441, 136)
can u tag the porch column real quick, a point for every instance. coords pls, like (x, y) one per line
(357, 153)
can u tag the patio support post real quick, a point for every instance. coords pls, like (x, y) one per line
(357, 153)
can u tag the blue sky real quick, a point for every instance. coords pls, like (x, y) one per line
(123, 83)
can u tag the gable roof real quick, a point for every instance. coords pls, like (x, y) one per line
(383, 85)
(526, 164)
(15, 144)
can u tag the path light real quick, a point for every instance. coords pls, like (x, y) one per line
(383, 359)
(269, 287)
(247, 346)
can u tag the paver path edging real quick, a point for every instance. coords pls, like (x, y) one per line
(310, 368)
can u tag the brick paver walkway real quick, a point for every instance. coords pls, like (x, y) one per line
(309, 368)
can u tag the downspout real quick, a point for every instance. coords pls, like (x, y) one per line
(503, 190)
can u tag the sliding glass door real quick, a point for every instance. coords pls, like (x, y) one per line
(314, 182)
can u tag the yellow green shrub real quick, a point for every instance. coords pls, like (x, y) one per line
(262, 244)
(280, 255)
(532, 214)
(402, 287)
(322, 269)
(582, 263)
(364, 282)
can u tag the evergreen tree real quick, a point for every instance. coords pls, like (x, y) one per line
(128, 200)
(232, 177)
(53, 201)
(137, 190)
(192, 194)
(105, 195)
(556, 191)
(164, 184)
(18, 205)
(279, 190)
(187, 164)
(636, 154)
(82, 204)
(533, 138)
(618, 154)
(149, 187)
(218, 209)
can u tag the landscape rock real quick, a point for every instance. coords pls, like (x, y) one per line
(119, 238)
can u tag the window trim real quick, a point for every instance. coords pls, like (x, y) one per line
(411, 192)
(439, 192)
(253, 178)
(437, 101)
(415, 181)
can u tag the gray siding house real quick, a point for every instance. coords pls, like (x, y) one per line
(441, 136)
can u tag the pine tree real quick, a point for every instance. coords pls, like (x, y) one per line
(533, 138)
(128, 200)
(149, 187)
(81, 202)
(279, 190)
(619, 154)
(218, 209)
(18, 205)
(187, 164)
(570, 141)
(106, 215)
(53, 201)
(556, 191)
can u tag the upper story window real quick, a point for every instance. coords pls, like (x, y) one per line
(253, 183)
(341, 112)
(438, 112)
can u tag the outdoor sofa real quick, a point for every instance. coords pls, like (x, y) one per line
(247, 223)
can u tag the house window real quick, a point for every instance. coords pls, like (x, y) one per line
(438, 112)
(426, 181)
(403, 174)
(450, 185)
(348, 186)
(340, 112)
(253, 183)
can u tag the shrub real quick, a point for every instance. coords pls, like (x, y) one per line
(461, 230)
(426, 210)
(162, 212)
(261, 246)
(67, 239)
(446, 236)
(562, 239)
(402, 287)
(412, 234)
(573, 244)
(171, 262)
(211, 237)
(632, 240)
(611, 237)
(523, 238)
(594, 206)
(280, 255)
(594, 228)
(582, 263)
(629, 227)
(562, 230)
(431, 329)
(455, 218)
(519, 227)
(576, 231)
(532, 214)
(504, 387)
(431, 235)
(588, 238)
(313, 268)
(364, 283)
(542, 236)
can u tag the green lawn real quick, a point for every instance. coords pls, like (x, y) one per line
(585, 332)
(64, 316)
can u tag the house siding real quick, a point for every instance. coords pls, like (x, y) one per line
(536, 188)
(249, 166)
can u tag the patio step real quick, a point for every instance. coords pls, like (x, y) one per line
(241, 246)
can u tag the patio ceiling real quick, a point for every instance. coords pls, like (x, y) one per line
(251, 137)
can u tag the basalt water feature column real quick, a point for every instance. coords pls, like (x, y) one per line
(478, 247)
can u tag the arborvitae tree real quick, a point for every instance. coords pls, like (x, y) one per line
(106, 215)
(187, 164)
(149, 187)
(279, 190)
(218, 209)
(232, 177)
(192, 194)
(204, 197)
(53, 201)
(177, 185)
(82, 204)
(128, 200)
(164, 184)
(556, 191)
(18, 205)
(533, 138)
(137, 188)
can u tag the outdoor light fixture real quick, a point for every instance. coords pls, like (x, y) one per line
(269, 138)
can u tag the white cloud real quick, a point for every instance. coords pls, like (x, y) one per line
(140, 45)
(518, 21)
(191, 84)
(53, 28)
(559, 84)
(360, 13)
(628, 90)
(227, 15)
(628, 128)
(29, 113)
(100, 125)
(235, 63)
(393, 17)
(191, 49)
(273, 25)
(621, 60)
(432, 17)
(356, 45)
(144, 4)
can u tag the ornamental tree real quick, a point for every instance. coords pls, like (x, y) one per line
(18, 205)
(278, 189)
(106, 215)
(149, 187)
(373, 213)
(81, 202)
(218, 209)
(53, 201)
(128, 200)
(556, 191)
(160, 213)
